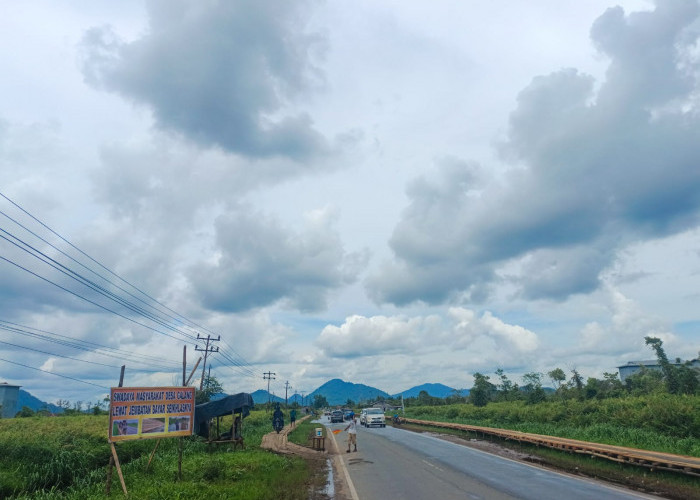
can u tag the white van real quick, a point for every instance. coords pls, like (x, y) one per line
(372, 416)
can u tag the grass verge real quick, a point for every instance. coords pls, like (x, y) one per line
(66, 458)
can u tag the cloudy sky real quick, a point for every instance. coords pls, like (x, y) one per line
(388, 192)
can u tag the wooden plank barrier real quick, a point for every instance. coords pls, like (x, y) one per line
(645, 458)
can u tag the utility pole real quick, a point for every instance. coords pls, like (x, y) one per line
(302, 398)
(206, 350)
(268, 376)
(286, 388)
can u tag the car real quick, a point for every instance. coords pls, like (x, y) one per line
(372, 416)
(348, 414)
(336, 416)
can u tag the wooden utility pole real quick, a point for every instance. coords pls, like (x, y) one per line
(206, 350)
(268, 376)
(286, 388)
(113, 455)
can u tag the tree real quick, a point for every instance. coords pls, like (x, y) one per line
(454, 397)
(669, 371)
(645, 382)
(25, 412)
(576, 383)
(557, 376)
(320, 401)
(210, 387)
(480, 393)
(533, 387)
(688, 379)
(350, 403)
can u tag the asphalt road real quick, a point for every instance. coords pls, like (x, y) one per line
(397, 464)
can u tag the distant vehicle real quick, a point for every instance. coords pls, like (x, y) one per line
(348, 414)
(372, 416)
(336, 416)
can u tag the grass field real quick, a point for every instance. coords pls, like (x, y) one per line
(67, 457)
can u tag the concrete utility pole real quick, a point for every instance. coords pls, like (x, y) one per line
(302, 398)
(206, 350)
(268, 376)
(286, 388)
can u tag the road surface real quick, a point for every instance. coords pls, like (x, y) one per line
(397, 464)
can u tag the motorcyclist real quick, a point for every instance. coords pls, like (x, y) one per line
(277, 418)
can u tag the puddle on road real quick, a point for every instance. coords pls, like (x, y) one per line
(330, 487)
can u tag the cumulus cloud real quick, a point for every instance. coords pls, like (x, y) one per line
(596, 171)
(220, 73)
(624, 333)
(362, 336)
(259, 263)
(468, 327)
(461, 330)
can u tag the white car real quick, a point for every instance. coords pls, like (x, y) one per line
(372, 416)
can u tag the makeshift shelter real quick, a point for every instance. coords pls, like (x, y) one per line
(240, 403)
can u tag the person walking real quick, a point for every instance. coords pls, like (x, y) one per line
(352, 433)
(293, 417)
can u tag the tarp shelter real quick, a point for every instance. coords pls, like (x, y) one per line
(237, 403)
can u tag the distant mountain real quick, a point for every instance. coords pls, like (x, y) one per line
(337, 392)
(435, 390)
(261, 396)
(26, 399)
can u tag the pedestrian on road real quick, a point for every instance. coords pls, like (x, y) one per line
(293, 417)
(352, 433)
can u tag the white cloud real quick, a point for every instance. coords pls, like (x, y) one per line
(361, 336)
(390, 193)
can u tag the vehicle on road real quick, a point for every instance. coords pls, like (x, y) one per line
(277, 424)
(336, 416)
(348, 414)
(372, 416)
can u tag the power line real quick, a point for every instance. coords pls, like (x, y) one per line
(52, 373)
(84, 345)
(86, 299)
(234, 359)
(88, 283)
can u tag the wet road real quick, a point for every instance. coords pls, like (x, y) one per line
(393, 463)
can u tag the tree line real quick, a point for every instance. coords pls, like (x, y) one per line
(672, 378)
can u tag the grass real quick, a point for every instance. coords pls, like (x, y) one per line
(665, 423)
(304, 432)
(66, 458)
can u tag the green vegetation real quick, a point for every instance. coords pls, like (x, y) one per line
(653, 410)
(67, 457)
(662, 422)
(304, 432)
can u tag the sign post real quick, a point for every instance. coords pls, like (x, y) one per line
(150, 412)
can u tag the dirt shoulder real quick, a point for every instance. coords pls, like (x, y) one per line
(318, 461)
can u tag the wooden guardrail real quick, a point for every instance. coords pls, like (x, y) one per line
(645, 458)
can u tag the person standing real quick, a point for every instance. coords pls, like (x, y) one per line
(293, 417)
(352, 433)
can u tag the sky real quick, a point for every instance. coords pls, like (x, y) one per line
(386, 192)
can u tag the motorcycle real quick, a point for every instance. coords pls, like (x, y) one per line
(396, 420)
(277, 424)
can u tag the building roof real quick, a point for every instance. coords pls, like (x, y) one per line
(5, 384)
(655, 363)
